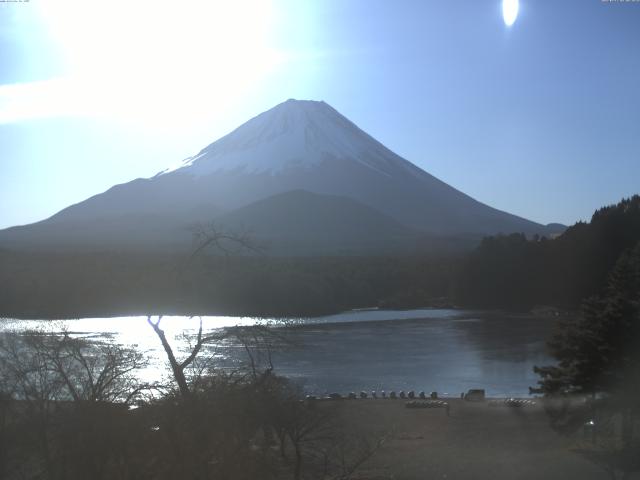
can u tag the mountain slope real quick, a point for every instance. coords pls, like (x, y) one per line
(297, 145)
(299, 222)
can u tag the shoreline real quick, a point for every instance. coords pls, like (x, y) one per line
(473, 442)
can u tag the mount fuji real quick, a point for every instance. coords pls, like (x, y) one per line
(300, 177)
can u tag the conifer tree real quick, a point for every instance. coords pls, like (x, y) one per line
(599, 350)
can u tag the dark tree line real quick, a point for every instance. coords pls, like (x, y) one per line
(599, 349)
(594, 387)
(592, 270)
(70, 285)
(505, 271)
(592, 391)
(516, 272)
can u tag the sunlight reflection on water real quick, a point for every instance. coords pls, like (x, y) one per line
(445, 350)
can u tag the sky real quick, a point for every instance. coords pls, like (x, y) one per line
(540, 118)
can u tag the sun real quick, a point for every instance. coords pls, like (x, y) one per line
(510, 11)
(149, 61)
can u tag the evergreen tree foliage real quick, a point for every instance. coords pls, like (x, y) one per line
(599, 350)
(516, 272)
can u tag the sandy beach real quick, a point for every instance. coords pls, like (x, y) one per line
(475, 442)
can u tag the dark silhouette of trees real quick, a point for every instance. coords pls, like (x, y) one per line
(517, 272)
(178, 368)
(59, 285)
(595, 385)
(67, 411)
(597, 351)
(64, 402)
(592, 269)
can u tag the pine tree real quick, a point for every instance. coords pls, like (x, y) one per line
(598, 355)
(599, 351)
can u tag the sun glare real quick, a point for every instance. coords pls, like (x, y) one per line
(149, 61)
(510, 11)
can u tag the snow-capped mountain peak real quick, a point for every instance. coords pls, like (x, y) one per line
(293, 134)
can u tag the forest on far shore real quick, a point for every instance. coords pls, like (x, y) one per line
(67, 285)
(515, 272)
(509, 272)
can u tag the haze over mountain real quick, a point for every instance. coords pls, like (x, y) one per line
(300, 176)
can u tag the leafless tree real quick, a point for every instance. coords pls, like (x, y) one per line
(96, 372)
(67, 396)
(209, 435)
(213, 236)
(178, 367)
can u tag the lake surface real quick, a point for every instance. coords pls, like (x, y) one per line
(448, 351)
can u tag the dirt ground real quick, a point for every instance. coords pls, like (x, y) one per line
(475, 442)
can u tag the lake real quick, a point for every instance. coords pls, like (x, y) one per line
(448, 351)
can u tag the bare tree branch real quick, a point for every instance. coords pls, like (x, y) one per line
(229, 243)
